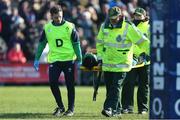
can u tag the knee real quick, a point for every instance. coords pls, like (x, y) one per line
(53, 82)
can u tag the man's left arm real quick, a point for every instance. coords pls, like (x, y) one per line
(76, 45)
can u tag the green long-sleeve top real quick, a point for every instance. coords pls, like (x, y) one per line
(74, 38)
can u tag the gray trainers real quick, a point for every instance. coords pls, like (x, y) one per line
(143, 112)
(107, 113)
(69, 113)
(117, 113)
(127, 111)
(58, 111)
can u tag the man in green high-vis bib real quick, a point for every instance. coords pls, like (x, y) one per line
(64, 49)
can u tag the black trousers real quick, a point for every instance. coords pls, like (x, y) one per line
(142, 75)
(55, 70)
(113, 81)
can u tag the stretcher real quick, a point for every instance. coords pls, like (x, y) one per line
(97, 79)
(98, 68)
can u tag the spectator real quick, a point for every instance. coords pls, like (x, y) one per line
(118, 3)
(87, 25)
(27, 13)
(17, 37)
(5, 16)
(93, 13)
(3, 49)
(104, 13)
(16, 55)
(132, 5)
(0, 25)
(66, 10)
(17, 20)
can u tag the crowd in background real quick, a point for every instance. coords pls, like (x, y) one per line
(21, 23)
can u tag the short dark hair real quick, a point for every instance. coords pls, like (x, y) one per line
(55, 9)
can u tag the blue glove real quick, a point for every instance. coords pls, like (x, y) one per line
(79, 63)
(79, 60)
(36, 65)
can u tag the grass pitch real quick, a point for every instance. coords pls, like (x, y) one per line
(38, 103)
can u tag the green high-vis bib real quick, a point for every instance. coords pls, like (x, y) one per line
(59, 41)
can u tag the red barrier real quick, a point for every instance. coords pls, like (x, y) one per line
(24, 73)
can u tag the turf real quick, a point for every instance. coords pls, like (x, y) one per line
(38, 103)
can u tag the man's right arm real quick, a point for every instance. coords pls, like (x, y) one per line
(41, 45)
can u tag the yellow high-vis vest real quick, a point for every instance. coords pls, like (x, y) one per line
(115, 46)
